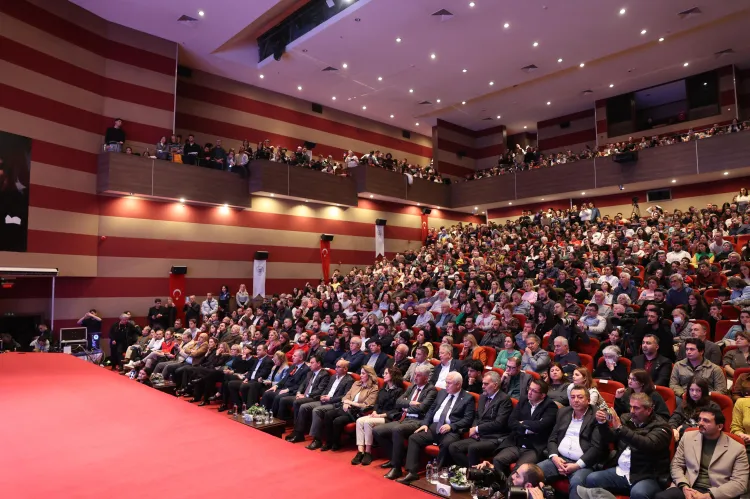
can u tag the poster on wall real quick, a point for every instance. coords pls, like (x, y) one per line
(15, 164)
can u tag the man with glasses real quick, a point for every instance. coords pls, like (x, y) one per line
(514, 381)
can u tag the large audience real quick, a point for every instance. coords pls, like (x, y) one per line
(581, 352)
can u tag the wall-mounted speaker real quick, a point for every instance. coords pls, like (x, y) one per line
(326, 237)
(261, 255)
(406, 134)
(310, 145)
(178, 270)
(184, 71)
(317, 108)
(426, 211)
(381, 221)
(565, 124)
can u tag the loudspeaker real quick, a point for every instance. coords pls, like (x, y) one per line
(380, 221)
(261, 255)
(326, 237)
(317, 108)
(461, 154)
(426, 211)
(626, 157)
(406, 134)
(184, 71)
(310, 145)
(565, 124)
(278, 51)
(179, 270)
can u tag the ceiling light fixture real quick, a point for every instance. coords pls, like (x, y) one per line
(582, 64)
(643, 31)
(416, 124)
(364, 108)
(661, 39)
(226, 205)
(261, 77)
(299, 87)
(560, 59)
(510, 202)
(549, 103)
(391, 116)
(465, 70)
(345, 65)
(419, 204)
(398, 40)
(433, 56)
(498, 116)
(333, 98)
(583, 194)
(411, 90)
(476, 207)
(525, 127)
(622, 12)
(535, 44)
(272, 195)
(611, 85)
(506, 25)
(371, 196)
(674, 180)
(182, 200)
(471, 4)
(726, 173)
(201, 13)
(492, 83)
(380, 78)
(463, 102)
(686, 64)
(438, 101)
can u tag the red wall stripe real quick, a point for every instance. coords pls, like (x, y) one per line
(61, 243)
(64, 114)
(490, 131)
(53, 198)
(454, 147)
(62, 156)
(568, 139)
(589, 113)
(247, 105)
(72, 33)
(39, 62)
(490, 151)
(726, 97)
(601, 126)
(406, 209)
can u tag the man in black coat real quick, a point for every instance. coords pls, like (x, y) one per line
(338, 385)
(531, 423)
(309, 390)
(490, 424)
(192, 310)
(653, 324)
(289, 383)
(450, 415)
(259, 369)
(158, 316)
(377, 359)
(658, 366)
(401, 359)
(119, 338)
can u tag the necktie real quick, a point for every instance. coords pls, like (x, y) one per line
(487, 405)
(444, 412)
(310, 385)
(257, 366)
(416, 394)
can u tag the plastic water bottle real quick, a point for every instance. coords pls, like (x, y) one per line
(269, 417)
(428, 472)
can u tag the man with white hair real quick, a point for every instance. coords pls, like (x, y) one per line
(424, 315)
(625, 288)
(444, 423)
(442, 299)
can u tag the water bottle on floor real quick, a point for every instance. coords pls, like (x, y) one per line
(428, 471)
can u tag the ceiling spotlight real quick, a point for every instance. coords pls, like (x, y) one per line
(536, 44)
(433, 56)
(419, 204)
(333, 98)
(542, 199)
(416, 124)
(549, 103)
(307, 200)
(182, 200)
(726, 173)
(621, 187)
(471, 4)
(398, 40)
(498, 116)
(463, 102)
(465, 70)
(705, 83)
(506, 25)
(364, 107)
(510, 203)
(272, 195)
(611, 85)
(391, 116)
(643, 31)
(261, 77)
(411, 90)
(686, 64)
(380, 78)
(492, 83)
(560, 59)
(583, 194)
(226, 205)
(661, 39)
(345, 65)
(438, 207)
(674, 180)
(582, 64)
(299, 87)
(371, 196)
(525, 127)
(201, 13)
(476, 207)
(622, 12)
(438, 101)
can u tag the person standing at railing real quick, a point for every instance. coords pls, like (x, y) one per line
(114, 138)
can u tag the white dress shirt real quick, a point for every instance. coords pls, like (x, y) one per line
(436, 417)
(444, 370)
(570, 445)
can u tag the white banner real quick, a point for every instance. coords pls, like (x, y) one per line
(259, 278)
(379, 240)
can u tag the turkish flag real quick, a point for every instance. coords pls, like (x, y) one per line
(325, 258)
(178, 294)
(425, 228)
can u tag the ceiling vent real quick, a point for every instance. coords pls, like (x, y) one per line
(330, 68)
(588, 92)
(425, 102)
(687, 14)
(443, 14)
(187, 20)
(487, 119)
(529, 69)
(724, 53)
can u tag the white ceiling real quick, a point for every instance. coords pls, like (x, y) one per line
(589, 31)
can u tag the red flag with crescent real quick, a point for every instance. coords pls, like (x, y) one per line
(325, 258)
(425, 228)
(177, 292)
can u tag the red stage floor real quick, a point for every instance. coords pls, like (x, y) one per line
(71, 429)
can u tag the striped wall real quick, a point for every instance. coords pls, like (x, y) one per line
(460, 151)
(212, 107)
(570, 132)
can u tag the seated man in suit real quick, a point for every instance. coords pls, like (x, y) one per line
(447, 364)
(420, 359)
(515, 382)
(658, 366)
(290, 383)
(311, 388)
(642, 440)
(490, 424)
(355, 356)
(531, 423)
(377, 359)
(575, 444)
(450, 415)
(565, 357)
(401, 358)
(410, 409)
(260, 368)
(338, 385)
(708, 464)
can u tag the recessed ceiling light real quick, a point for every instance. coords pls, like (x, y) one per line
(333, 98)
(560, 59)
(261, 77)
(226, 205)
(438, 207)
(535, 44)
(643, 31)
(498, 116)
(345, 65)
(464, 70)
(419, 204)
(476, 207)
(438, 101)
(506, 25)
(201, 13)
(492, 83)
(686, 64)
(463, 102)
(510, 203)
(416, 124)
(582, 64)
(380, 78)
(364, 107)
(398, 40)
(525, 127)
(433, 56)
(391, 116)
(661, 39)
(611, 85)
(674, 180)
(271, 195)
(726, 173)
(622, 12)
(371, 196)
(411, 90)
(549, 103)
(583, 194)
(705, 83)
(542, 199)
(182, 200)
(307, 200)
(471, 4)
(299, 87)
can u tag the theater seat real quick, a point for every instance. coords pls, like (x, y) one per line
(722, 327)
(669, 397)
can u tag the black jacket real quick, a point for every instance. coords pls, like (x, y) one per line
(294, 377)
(403, 366)
(661, 368)
(121, 333)
(380, 364)
(649, 446)
(266, 364)
(455, 366)
(387, 398)
(192, 311)
(426, 398)
(663, 332)
(344, 385)
(320, 383)
(491, 419)
(461, 414)
(589, 437)
(540, 423)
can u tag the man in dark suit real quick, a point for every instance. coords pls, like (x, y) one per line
(316, 349)
(310, 389)
(338, 385)
(658, 366)
(447, 365)
(260, 368)
(355, 356)
(377, 359)
(530, 425)
(158, 315)
(490, 424)
(401, 358)
(289, 383)
(386, 341)
(405, 418)
(575, 443)
(450, 415)
(514, 381)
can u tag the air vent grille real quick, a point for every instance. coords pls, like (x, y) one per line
(687, 14)
(724, 53)
(425, 102)
(330, 68)
(530, 68)
(186, 19)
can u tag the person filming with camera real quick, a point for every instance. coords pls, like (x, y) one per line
(526, 481)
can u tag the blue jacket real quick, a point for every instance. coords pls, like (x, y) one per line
(675, 298)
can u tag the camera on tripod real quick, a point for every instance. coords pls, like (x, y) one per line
(625, 321)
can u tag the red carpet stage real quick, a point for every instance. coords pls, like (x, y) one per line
(71, 429)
